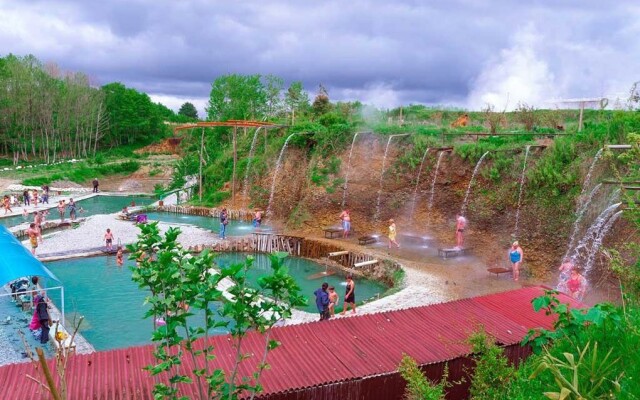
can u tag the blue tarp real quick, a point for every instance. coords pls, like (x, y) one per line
(17, 261)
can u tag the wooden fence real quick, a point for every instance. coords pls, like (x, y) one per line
(242, 215)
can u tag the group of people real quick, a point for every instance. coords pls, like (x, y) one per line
(62, 207)
(345, 221)
(327, 299)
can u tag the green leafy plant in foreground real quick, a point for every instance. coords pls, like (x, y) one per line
(586, 376)
(492, 370)
(419, 387)
(186, 291)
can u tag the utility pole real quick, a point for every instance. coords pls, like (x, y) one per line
(201, 161)
(235, 159)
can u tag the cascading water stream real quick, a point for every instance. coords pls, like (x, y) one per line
(580, 215)
(346, 177)
(245, 190)
(587, 179)
(415, 191)
(522, 176)
(275, 173)
(473, 176)
(382, 171)
(433, 182)
(585, 246)
(597, 243)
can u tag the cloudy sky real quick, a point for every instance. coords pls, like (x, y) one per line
(462, 53)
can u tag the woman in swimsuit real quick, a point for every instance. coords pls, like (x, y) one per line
(515, 256)
(392, 234)
(61, 209)
(565, 274)
(119, 257)
(350, 295)
(72, 209)
(577, 284)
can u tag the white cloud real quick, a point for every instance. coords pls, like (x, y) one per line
(519, 74)
(175, 102)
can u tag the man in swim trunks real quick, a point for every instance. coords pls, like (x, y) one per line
(108, 238)
(345, 216)
(32, 232)
(461, 223)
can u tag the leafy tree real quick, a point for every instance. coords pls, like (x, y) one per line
(296, 99)
(188, 110)
(133, 117)
(237, 97)
(321, 104)
(187, 292)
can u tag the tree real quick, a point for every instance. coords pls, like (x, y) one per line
(237, 97)
(187, 292)
(296, 99)
(321, 104)
(188, 110)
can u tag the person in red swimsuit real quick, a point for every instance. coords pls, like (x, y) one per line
(577, 284)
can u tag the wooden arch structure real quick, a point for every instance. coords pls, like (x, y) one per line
(232, 123)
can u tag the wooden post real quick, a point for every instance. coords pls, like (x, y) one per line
(581, 113)
(201, 160)
(265, 141)
(235, 159)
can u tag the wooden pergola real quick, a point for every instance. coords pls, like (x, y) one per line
(232, 123)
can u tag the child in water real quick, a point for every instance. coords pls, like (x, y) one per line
(119, 257)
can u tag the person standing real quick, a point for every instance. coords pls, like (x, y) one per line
(515, 256)
(95, 183)
(461, 223)
(25, 198)
(72, 209)
(392, 233)
(108, 238)
(333, 301)
(257, 219)
(346, 223)
(577, 284)
(350, 295)
(35, 198)
(42, 309)
(61, 209)
(322, 301)
(224, 220)
(565, 273)
(32, 232)
(45, 194)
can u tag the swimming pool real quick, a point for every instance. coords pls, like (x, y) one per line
(92, 206)
(234, 228)
(112, 303)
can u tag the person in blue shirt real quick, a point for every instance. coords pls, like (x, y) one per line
(322, 301)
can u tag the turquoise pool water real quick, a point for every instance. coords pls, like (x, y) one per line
(113, 305)
(92, 206)
(234, 228)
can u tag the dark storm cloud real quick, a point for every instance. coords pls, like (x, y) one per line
(387, 52)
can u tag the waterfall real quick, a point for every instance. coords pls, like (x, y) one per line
(522, 176)
(346, 177)
(587, 179)
(433, 182)
(580, 214)
(597, 243)
(245, 188)
(275, 173)
(475, 171)
(594, 235)
(415, 191)
(382, 171)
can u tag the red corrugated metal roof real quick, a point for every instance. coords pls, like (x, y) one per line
(315, 353)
